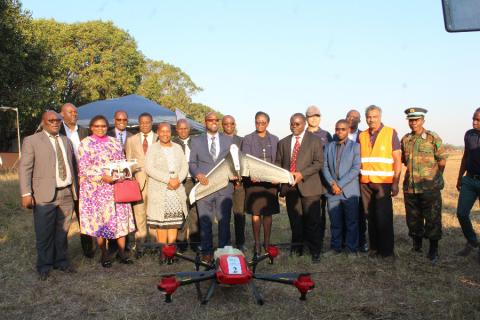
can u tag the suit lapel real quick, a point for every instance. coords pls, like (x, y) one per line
(289, 149)
(46, 140)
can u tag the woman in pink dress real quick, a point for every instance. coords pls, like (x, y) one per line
(100, 216)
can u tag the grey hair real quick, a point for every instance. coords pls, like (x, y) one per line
(371, 108)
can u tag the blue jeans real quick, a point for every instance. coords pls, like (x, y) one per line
(344, 213)
(469, 193)
(214, 205)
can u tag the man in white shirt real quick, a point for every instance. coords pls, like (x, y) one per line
(353, 119)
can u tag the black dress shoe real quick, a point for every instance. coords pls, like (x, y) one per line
(316, 258)
(43, 275)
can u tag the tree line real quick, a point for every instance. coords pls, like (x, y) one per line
(45, 63)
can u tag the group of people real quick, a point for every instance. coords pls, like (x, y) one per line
(353, 173)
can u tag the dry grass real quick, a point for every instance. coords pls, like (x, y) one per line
(405, 288)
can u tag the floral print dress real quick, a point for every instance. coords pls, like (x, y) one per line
(100, 216)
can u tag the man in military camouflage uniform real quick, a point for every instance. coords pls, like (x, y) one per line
(424, 156)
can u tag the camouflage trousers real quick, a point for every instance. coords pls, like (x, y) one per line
(424, 214)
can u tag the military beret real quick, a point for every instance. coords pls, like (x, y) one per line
(415, 113)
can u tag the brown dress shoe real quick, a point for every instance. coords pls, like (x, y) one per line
(207, 258)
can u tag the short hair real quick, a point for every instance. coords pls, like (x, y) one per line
(298, 115)
(477, 110)
(371, 108)
(343, 121)
(96, 118)
(210, 113)
(118, 111)
(183, 121)
(261, 113)
(162, 124)
(145, 114)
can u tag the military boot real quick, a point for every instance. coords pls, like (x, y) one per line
(417, 244)
(433, 251)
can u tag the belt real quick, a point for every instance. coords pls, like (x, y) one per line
(473, 176)
(69, 186)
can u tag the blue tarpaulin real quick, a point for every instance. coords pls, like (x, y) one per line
(134, 105)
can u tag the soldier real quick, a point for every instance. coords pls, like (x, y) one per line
(424, 156)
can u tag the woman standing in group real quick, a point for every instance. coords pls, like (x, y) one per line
(100, 216)
(166, 168)
(261, 199)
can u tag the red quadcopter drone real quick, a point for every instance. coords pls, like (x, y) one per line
(229, 267)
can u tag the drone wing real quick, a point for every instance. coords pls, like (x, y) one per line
(218, 178)
(264, 171)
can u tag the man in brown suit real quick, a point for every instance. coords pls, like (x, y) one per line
(47, 184)
(301, 153)
(136, 147)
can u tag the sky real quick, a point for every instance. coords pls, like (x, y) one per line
(281, 56)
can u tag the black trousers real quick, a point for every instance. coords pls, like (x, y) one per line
(377, 204)
(52, 222)
(305, 221)
(87, 242)
(190, 231)
(239, 214)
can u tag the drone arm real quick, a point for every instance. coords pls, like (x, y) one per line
(169, 283)
(302, 281)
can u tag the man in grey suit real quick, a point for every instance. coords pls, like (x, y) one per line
(302, 154)
(341, 167)
(206, 152)
(47, 184)
(136, 147)
(76, 134)
(190, 231)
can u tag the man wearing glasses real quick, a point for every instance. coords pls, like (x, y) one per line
(207, 150)
(120, 120)
(301, 153)
(49, 190)
(341, 167)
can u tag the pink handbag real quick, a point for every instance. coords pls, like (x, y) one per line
(127, 191)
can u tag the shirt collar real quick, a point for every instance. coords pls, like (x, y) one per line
(51, 135)
(214, 135)
(67, 129)
(300, 135)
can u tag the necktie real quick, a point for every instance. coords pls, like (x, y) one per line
(213, 149)
(293, 160)
(120, 138)
(145, 143)
(62, 169)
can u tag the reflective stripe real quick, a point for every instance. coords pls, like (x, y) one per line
(377, 173)
(377, 160)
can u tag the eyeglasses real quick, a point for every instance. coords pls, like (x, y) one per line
(212, 120)
(99, 126)
(261, 123)
(295, 124)
(121, 120)
(340, 129)
(54, 120)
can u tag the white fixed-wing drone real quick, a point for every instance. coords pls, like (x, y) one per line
(118, 168)
(236, 165)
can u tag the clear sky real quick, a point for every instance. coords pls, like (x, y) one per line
(282, 56)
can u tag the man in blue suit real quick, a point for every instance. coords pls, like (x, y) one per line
(341, 168)
(206, 151)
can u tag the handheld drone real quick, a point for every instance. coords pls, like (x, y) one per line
(120, 166)
(229, 267)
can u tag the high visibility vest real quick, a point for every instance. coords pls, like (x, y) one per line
(377, 161)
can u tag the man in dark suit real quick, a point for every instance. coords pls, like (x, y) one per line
(206, 152)
(48, 185)
(353, 118)
(190, 231)
(302, 154)
(229, 129)
(76, 134)
(119, 132)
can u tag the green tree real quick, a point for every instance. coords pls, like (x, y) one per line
(94, 60)
(25, 71)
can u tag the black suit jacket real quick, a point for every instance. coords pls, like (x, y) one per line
(179, 141)
(111, 133)
(309, 163)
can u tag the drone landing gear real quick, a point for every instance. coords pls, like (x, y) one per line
(256, 294)
(210, 292)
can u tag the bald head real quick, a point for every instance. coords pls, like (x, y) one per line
(120, 120)
(69, 114)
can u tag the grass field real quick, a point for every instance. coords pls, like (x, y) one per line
(407, 287)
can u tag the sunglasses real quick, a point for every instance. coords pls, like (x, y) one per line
(295, 124)
(54, 120)
(121, 120)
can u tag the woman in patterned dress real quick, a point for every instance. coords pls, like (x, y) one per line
(166, 168)
(100, 216)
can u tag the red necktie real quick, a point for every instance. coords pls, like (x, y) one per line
(293, 160)
(145, 144)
